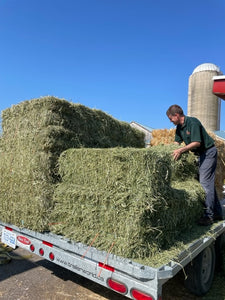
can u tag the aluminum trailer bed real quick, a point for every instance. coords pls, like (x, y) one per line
(131, 279)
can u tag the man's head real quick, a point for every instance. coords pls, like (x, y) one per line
(175, 114)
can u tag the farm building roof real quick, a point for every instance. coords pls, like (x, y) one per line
(143, 126)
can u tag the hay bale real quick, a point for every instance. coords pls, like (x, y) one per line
(162, 136)
(76, 123)
(35, 132)
(133, 197)
(220, 169)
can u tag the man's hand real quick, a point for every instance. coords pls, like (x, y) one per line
(177, 153)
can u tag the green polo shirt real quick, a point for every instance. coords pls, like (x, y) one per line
(193, 131)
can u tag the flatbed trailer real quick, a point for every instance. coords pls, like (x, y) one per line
(126, 277)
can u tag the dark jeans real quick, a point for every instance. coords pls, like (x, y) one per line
(207, 167)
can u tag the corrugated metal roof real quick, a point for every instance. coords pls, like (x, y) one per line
(143, 126)
(207, 67)
(220, 134)
(148, 128)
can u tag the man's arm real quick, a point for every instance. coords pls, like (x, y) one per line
(177, 153)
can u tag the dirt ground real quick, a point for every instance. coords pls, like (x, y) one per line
(38, 279)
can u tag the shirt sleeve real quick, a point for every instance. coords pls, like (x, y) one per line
(178, 137)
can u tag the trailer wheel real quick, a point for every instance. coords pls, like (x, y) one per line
(200, 272)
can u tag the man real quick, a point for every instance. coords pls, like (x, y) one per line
(190, 131)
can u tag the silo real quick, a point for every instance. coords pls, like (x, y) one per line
(202, 103)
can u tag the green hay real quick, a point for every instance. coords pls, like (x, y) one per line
(138, 198)
(182, 243)
(130, 197)
(35, 132)
(77, 124)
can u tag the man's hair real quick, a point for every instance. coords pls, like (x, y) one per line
(174, 109)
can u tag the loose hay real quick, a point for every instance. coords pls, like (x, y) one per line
(133, 197)
(35, 132)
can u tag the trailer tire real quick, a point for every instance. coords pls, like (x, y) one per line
(200, 272)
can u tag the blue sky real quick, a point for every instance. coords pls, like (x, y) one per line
(129, 58)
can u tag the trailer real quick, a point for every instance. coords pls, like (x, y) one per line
(122, 275)
(126, 277)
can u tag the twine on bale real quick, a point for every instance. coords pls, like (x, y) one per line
(92, 242)
(103, 265)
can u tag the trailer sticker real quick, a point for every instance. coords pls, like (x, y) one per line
(23, 240)
(78, 269)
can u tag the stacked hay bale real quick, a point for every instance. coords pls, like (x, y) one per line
(220, 169)
(138, 199)
(162, 136)
(166, 137)
(35, 132)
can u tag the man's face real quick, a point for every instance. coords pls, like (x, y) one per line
(174, 119)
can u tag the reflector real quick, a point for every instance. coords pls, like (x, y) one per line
(51, 256)
(47, 243)
(107, 267)
(32, 248)
(8, 228)
(41, 252)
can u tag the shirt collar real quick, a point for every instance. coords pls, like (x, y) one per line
(185, 122)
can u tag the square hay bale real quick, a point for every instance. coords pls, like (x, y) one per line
(162, 136)
(135, 198)
(220, 169)
(35, 132)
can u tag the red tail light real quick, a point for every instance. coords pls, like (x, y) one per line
(138, 295)
(117, 286)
